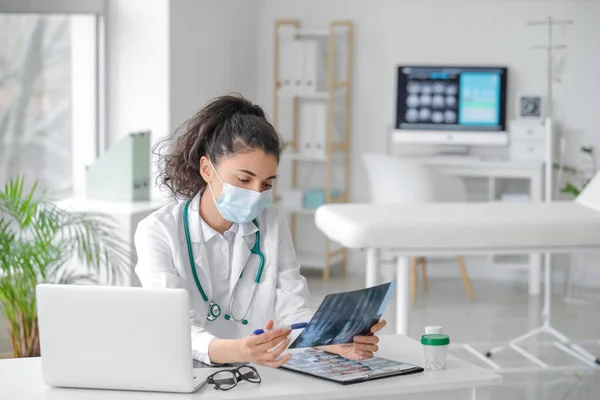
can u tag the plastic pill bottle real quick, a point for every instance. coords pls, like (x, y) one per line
(435, 348)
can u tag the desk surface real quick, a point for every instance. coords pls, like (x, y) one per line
(21, 379)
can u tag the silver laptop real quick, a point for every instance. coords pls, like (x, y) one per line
(117, 338)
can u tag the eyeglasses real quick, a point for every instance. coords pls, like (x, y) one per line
(228, 379)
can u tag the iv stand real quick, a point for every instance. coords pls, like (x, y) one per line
(550, 22)
(562, 342)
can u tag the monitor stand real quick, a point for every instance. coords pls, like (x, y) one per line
(453, 150)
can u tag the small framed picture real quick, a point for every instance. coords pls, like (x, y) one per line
(530, 107)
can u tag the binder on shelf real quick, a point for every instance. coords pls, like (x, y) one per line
(290, 73)
(297, 66)
(310, 58)
(319, 133)
(306, 129)
(321, 63)
(284, 81)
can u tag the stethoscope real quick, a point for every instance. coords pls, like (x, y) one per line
(214, 310)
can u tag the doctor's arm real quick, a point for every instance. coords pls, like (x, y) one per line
(155, 269)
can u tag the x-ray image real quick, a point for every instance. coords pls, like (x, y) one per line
(450, 117)
(412, 115)
(451, 101)
(425, 114)
(438, 98)
(439, 87)
(437, 117)
(438, 101)
(342, 316)
(412, 101)
(414, 87)
(452, 90)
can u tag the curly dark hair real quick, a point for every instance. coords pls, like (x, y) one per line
(226, 126)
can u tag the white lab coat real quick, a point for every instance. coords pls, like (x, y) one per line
(163, 262)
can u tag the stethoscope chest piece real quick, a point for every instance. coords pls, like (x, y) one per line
(214, 311)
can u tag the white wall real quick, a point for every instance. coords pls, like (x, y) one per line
(137, 68)
(212, 52)
(391, 32)
(167, 58)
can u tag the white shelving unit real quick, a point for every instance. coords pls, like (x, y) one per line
(298, 80)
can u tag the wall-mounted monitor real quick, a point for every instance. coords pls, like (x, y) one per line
(451, 105)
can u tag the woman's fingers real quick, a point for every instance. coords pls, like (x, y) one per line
(378, 326)
(269, 324)
(366, 347)
(362, 353)
(366, 339)
(272, 355)
(366, 344)
(265, 346)
(276, 363)
(268, 336)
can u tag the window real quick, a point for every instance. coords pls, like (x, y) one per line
(49, 98)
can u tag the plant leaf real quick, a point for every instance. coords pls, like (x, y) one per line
(570, 189)
(41, 242)
(587, 149)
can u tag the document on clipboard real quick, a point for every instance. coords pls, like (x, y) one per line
(335, 368)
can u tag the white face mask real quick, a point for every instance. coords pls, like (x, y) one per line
(240, 205)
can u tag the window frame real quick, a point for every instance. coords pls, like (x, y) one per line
(97, 8)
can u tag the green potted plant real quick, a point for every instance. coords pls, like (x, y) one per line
(580, 176)
(38, 243)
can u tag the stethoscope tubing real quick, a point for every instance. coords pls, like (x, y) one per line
(255, 250)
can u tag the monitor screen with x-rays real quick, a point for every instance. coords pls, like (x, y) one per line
(463, 105)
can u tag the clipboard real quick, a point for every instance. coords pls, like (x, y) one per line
(335, 368)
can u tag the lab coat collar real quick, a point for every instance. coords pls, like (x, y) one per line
(246, 229)
(194, 221)
(201, 232)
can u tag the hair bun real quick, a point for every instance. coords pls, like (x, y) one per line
(238, 104)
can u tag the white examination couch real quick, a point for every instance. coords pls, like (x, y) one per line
(467, 228)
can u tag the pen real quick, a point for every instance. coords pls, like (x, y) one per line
(299, 325)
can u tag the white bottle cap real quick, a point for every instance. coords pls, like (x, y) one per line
(434, 330)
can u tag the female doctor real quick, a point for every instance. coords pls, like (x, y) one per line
(223, 242)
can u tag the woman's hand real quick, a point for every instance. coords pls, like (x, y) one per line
(362, 348)
(265, 348)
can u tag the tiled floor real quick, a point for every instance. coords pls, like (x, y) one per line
(499, 312)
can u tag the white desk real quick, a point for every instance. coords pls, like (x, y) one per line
(493, 169)
(21, 380)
